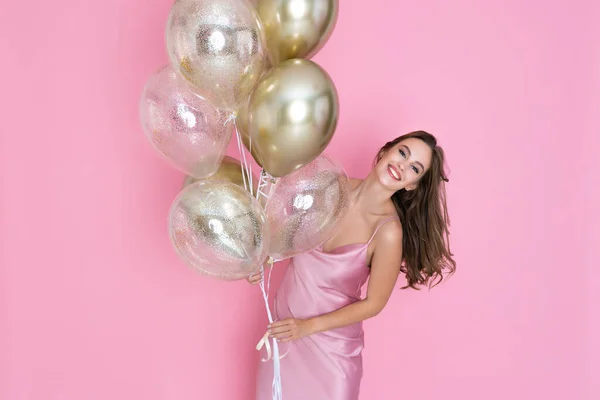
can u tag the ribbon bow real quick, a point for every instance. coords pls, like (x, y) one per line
(264, 341)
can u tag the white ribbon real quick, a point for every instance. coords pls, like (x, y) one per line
(246, 166)
(262, 193)
(266, 184)
(264, 341)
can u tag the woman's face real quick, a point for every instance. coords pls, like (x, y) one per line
(403, 165)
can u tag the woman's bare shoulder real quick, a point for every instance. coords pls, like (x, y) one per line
(389, 235)
(391, 229)
(354, 182)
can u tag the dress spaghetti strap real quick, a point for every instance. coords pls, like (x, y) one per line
(385, 221)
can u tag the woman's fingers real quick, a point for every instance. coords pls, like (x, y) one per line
(282, 335)
(256, 278)
(283, 329)
(280, 329)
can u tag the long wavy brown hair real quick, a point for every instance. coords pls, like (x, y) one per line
(426, 255)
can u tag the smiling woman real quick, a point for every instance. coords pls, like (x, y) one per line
(420, 200)
(397, 222)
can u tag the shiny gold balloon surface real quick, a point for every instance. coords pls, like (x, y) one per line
(241, 123)
(296, 28)
(219, 47)
(219, 229)
(230, 170)
(292, 115)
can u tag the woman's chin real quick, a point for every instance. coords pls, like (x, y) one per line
(390, 183)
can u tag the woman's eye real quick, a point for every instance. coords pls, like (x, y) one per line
(402, 153)
(415, 169)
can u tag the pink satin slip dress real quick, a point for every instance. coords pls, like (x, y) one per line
(326, 365)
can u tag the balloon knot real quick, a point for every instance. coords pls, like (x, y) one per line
(230, 117)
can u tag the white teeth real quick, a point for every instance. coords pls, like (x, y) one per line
(394, 174)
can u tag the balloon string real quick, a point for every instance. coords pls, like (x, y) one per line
(247, 165)
(250, 164)
(261, 184)
(246, 169)
(265, 187)
(230, 117)
(262, 190)
(264, 341)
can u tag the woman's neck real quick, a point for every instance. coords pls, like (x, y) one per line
(371, 197)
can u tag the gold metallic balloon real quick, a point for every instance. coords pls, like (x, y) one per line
(219, 47)
(296, 28)
(241, 123)
(219, 229)
(292, 115)
(230, 170)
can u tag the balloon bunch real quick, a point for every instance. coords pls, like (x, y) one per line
(241, 67)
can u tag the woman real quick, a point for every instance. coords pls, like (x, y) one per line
(397, 222)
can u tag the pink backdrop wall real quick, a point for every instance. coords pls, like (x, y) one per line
(95, 304)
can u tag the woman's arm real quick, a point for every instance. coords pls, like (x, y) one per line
(385, 268)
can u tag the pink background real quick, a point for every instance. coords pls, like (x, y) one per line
(95, 304)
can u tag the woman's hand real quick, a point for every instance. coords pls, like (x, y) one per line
(291, 329)
(256, 278)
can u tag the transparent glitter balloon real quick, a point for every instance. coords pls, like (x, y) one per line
(219, 229)
(305, 206)
(219, 47)
(230, 170)
(183, 127)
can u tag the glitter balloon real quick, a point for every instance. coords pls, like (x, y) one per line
(305, 206)
(219, 47)
(183, 127)
(219, 229)
(230, 170)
